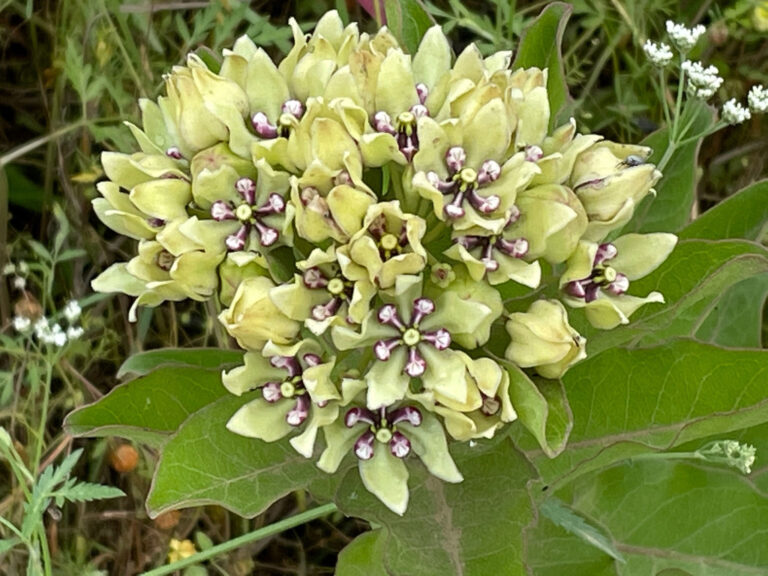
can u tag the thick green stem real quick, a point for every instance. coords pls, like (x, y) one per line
(235, 543)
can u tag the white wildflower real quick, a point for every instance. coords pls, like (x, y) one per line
(19, 282)
(23, 268)
(9, 269)
(75, 332)
(660, 55)
(758, 99)
(734, 113)
(41, 328)
(684, 38)
(702, 82)
(21, 324)
(72, 311)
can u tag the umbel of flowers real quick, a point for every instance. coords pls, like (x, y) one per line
(359, 211)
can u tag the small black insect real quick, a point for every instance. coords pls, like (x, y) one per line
(632, 160)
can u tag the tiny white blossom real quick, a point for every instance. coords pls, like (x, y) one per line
(41, 328)
(19, 282)
(9, 269)
(72, 310)
(660, 55)
(55, 336)
(734, 113)
(758, 99)
(21, 323)
(75, 332)
(23, 267)
(684, 38)
(702, 82)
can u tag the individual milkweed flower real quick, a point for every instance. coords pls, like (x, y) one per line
(734, 113)
(542, 338)
(527, 101)
(297, 394)
(682, 37)
(702, 82)
(494, 408)
(382, 440)
(659, 55)
(555, 157)
(411, 338)
(758, 99)
(254, 214)
(551, 220)
(330, 289)
(497, 257)
(158, 192)
(253, 319)
(610, 180)
(157, 275)
(205, 107)
(388, 245)
(598, 276)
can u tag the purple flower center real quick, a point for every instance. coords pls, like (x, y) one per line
(390, 243)
(292, 387)
(290, 114)
(410, 336)
(463, 182)
(404, 127)
(339, 289)
(249, 214)
(602, 277)
(486, 246)
(383, 428)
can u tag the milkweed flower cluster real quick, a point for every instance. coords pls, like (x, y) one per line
(362, 214)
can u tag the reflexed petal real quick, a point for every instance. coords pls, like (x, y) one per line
(395, 88)
(428, 441)
(255, 372)
(304, 443)
(116, 278)
(387, 383)
(433, 58)
(608, 311)
(640, 254)
(262, 420)
(386, 477)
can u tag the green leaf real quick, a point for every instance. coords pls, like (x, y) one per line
(557, 512)
(149, 408)
(364, 556)
(86, 492)
(540, 47)
(471, 528)
(692, 280)
(408, 20)
(208, 358)
(743, 215)
(204, 463)
(542, 409)
(678, 516)
(737, 318)
(670, 209)
(7, 543)
(628, 402)
(22, 191)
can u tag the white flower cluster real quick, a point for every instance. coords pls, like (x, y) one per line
(21, 270)
(758, 99)
(660, 55)
(702, 82)
(684, 38)
(51, 333)
(734, 112)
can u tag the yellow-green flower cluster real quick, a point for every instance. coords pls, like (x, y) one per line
(357, 210)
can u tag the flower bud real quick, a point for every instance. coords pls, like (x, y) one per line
(543, 339)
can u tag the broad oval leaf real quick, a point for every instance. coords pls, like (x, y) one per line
(627, 402)
(364, 556)
(204, 463)
(150, 408)
(473, 528)
(208, 358)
